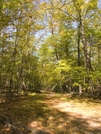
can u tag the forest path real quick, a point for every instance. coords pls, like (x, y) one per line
(83, 114)
(56, 113)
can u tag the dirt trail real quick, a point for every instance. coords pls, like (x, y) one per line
(88, 112)
(55, 113)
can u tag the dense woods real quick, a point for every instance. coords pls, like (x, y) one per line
(50, 66)
(53, 45)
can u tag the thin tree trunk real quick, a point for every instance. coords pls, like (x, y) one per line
(99, 61)
(79, 47)
(56, 54)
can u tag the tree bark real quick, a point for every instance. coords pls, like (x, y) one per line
(78, 47)
(85, 45)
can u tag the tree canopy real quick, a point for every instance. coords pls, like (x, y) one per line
(50, 44)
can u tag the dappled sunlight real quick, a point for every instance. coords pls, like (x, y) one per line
(55, 114)
(36, 125)
(87, 114)
(94, 124)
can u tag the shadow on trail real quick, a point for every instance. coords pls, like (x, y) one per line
(35, 109)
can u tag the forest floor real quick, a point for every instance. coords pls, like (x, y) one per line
(56, 113)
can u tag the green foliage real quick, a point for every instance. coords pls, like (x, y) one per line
(43, 44)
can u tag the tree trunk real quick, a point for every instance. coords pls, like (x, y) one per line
(85, 47)
(56, 54)
(79, 47)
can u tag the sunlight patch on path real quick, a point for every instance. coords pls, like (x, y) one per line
(91, 113)
(77, 108)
